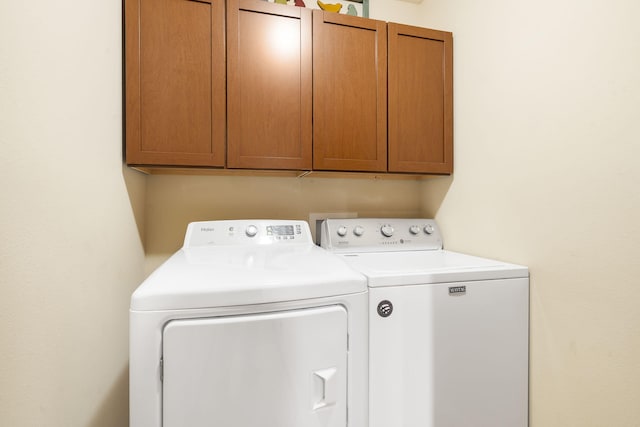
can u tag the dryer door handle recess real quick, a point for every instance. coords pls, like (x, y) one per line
(325, 388)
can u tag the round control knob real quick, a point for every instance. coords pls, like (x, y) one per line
(251, 231)
(414, 229)
(387, 230)
(358, 231)
(342, 231)
(428, 228)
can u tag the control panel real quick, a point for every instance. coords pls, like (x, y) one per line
(380, 234)
(246, 232)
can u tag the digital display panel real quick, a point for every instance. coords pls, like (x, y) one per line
(280, 230)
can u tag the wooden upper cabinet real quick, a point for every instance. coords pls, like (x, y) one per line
(271, 86)
(269, 99)
(175, 82)
(420, 100)
(349, 93)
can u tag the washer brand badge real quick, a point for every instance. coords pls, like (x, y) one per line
(385, 308)
(457, 290)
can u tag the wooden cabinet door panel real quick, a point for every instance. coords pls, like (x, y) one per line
(175, 82)
(420, 100)
(349, 93)
(269, 86)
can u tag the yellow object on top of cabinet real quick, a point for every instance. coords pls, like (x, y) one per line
(335, 7)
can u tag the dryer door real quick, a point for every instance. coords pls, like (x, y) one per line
(282, 369)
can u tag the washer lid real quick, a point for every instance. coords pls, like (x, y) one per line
(430, 266)
(213, 276)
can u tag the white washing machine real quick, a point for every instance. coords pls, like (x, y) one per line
(448, 332)
(249, 324)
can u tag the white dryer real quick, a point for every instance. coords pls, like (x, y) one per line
(249, 324)
(448, 332)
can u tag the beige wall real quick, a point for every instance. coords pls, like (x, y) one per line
(547, 142)
(546, 131)
(70, 245)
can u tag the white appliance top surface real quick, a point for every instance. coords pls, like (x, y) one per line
(407, 251)
(212, 271)
(429, 266)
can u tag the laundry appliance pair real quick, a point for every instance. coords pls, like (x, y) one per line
(252, 324)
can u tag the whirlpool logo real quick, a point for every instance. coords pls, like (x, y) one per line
(457, 290)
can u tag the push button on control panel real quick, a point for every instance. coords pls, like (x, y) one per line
(251, 231)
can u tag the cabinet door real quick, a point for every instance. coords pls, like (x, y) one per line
(284, 369)
(269, 85)
(175, 82)
(420, 100)
(349, 93)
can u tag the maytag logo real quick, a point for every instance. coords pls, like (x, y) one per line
(457, 290)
